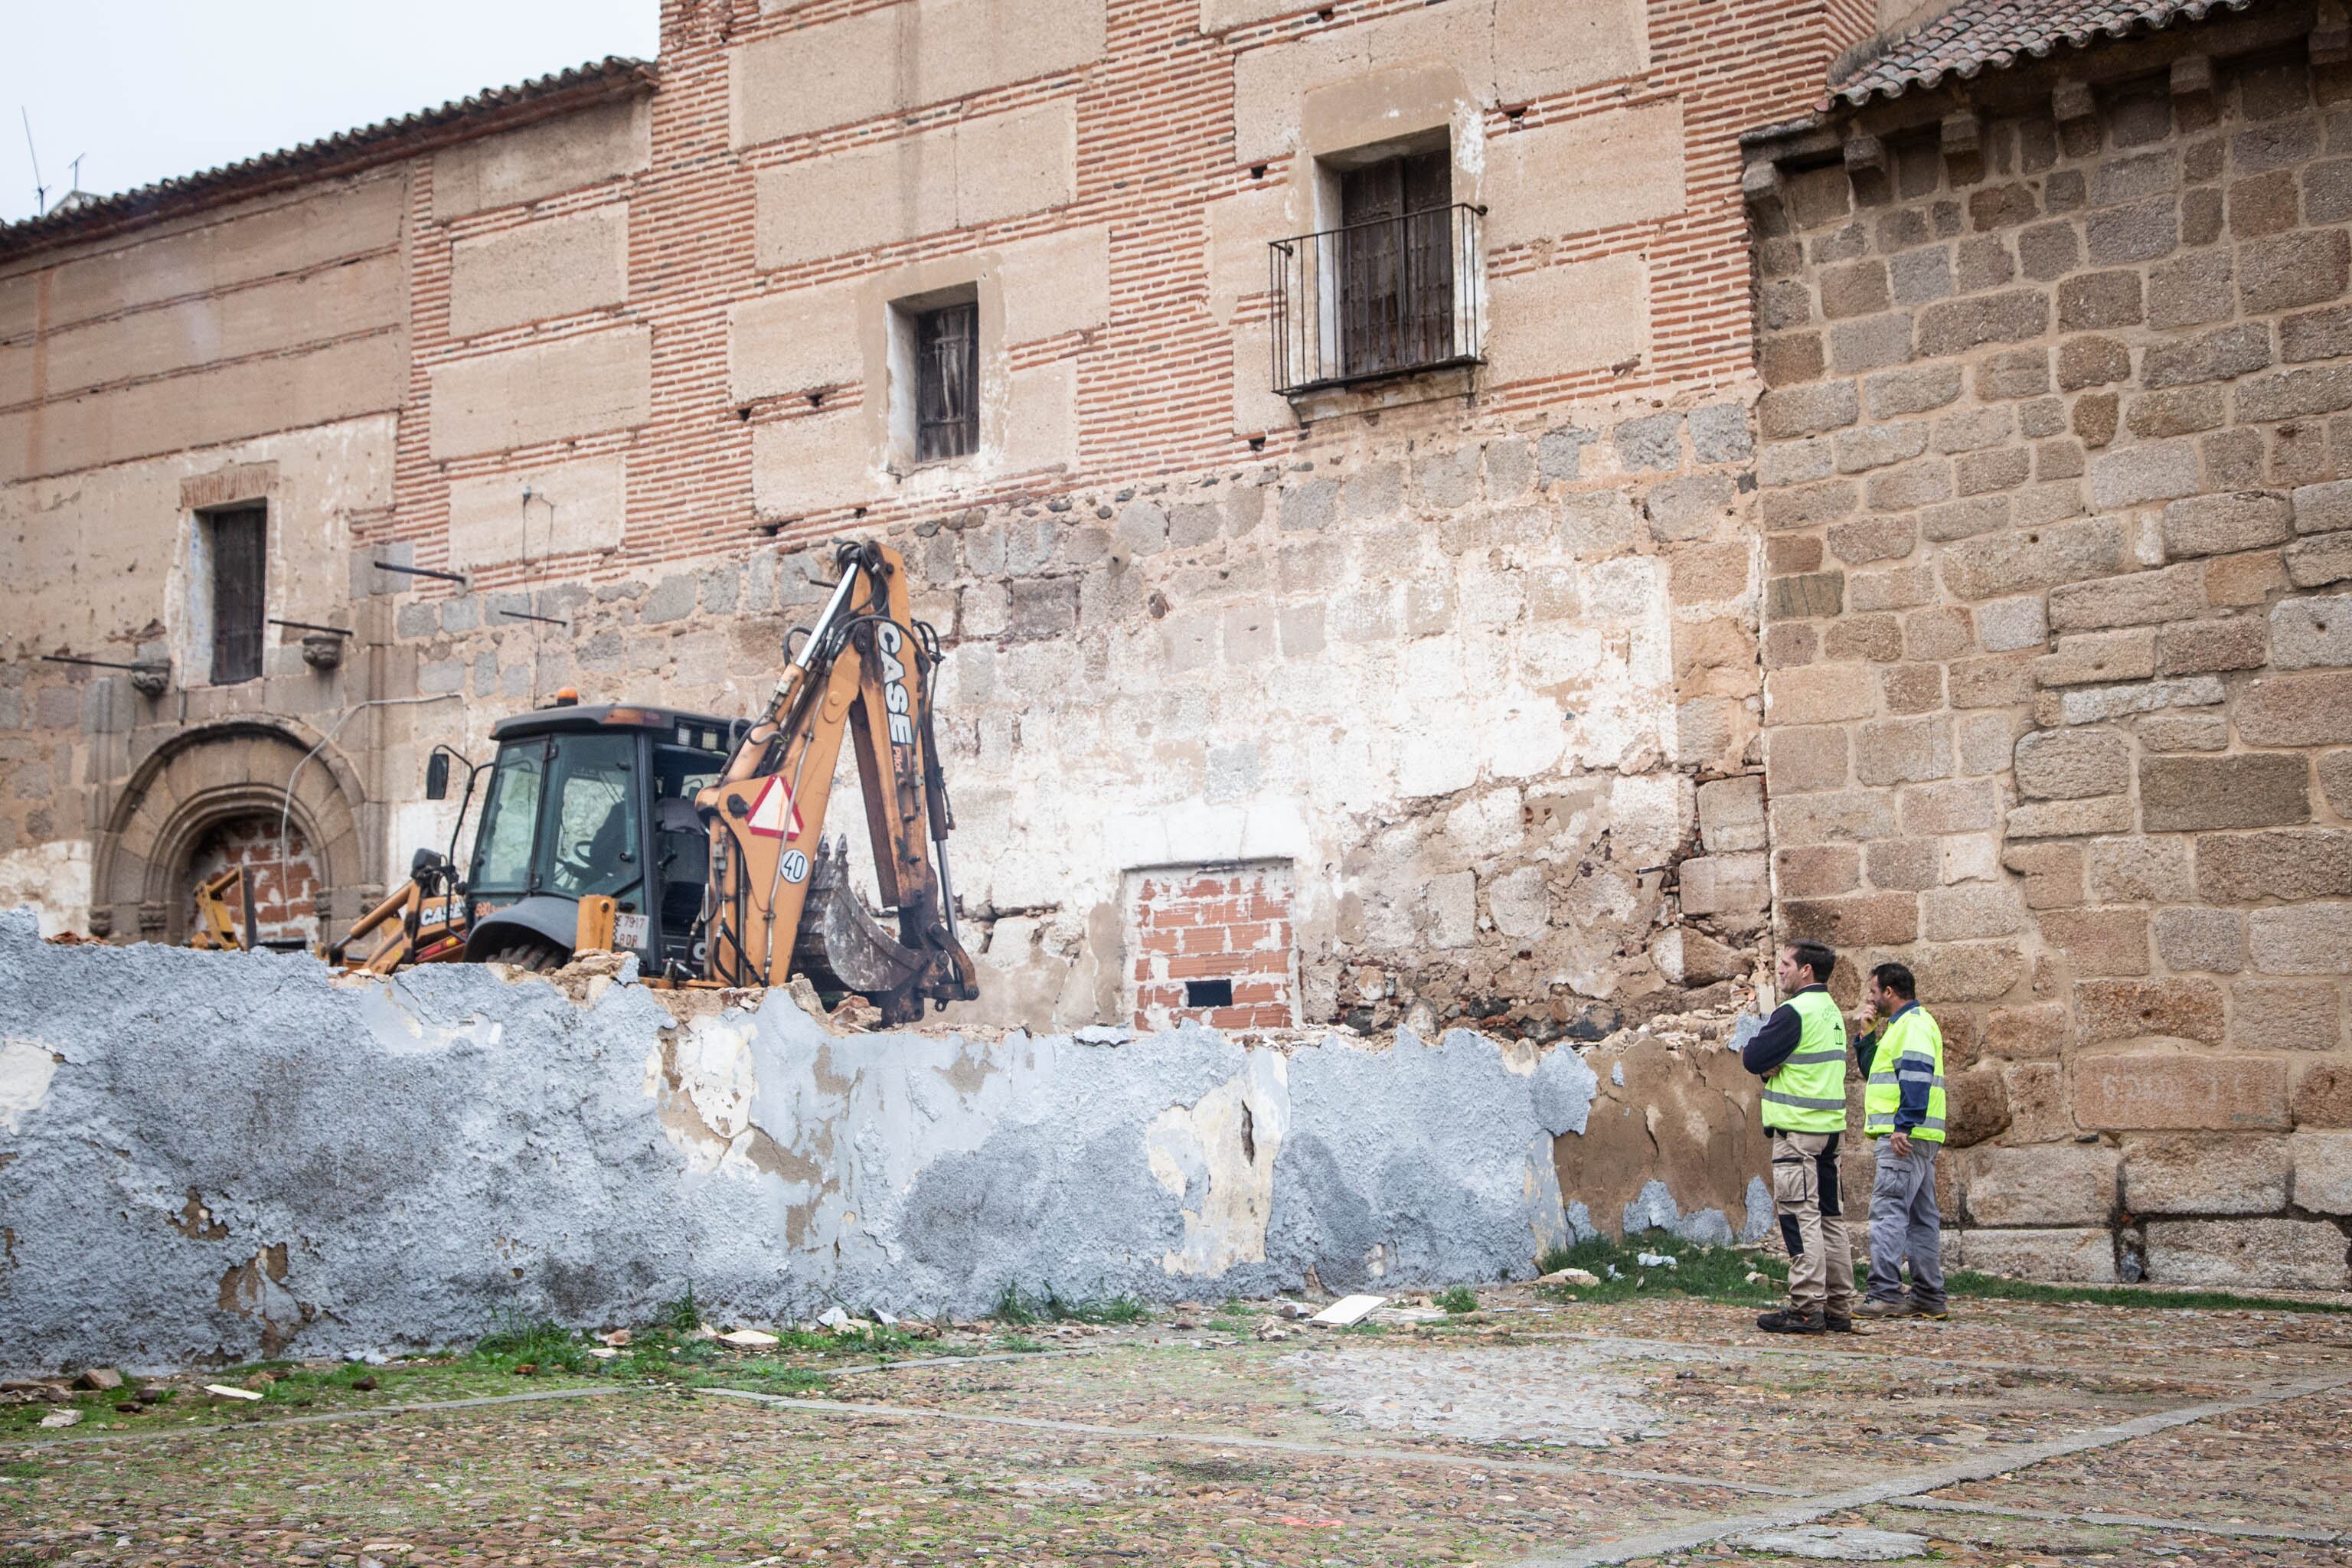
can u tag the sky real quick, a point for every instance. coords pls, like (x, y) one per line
(147, 90)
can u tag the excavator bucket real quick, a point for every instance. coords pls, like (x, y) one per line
(843, 947)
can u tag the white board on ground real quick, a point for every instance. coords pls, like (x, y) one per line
(1348, 1310)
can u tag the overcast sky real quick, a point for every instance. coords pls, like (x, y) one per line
(153, 89)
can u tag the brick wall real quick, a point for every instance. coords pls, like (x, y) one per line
(282, 874)
(2059, 690)
(1220, 929)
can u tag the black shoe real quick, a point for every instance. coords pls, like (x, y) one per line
(1790, 1321)
(1839, 1323)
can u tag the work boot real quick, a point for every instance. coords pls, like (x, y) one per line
(1839, 1323)
(1793, 1320)
(1935, 1313)
(1877, 1309)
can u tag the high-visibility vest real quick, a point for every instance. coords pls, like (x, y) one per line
(1912, 1034)
(1808, 1094)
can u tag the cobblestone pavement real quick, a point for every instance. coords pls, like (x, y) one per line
(1658, 1432)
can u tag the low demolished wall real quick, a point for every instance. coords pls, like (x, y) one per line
(208, 1155)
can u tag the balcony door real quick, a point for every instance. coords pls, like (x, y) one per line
(1396, 264)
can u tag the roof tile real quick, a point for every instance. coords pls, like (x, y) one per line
(332, 154)
(1978, 34)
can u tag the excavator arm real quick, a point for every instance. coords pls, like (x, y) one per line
(779, 900)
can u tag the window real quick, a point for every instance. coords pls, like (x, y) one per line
(510, 820)
(947, 382)
(1389, 286)
(1395, 261)
(237, 549)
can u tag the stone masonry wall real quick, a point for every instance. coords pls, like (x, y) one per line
(2056, 504)
(1471, 679)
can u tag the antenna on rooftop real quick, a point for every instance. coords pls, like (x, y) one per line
(40, 191)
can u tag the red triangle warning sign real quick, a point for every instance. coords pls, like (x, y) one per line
(774, 815)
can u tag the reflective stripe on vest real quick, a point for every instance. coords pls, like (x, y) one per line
(1913, 1034)
(1808, 1094)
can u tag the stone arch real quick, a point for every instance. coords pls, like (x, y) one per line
(199, 780)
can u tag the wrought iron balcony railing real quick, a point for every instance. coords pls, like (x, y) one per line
(1378, 299)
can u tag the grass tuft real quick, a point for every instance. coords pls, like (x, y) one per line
(683, 1315)
(1458, 1301)
(1021, 1310)
(548, 1346)
(1709, 1273)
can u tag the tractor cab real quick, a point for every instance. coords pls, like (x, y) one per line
(594, 799)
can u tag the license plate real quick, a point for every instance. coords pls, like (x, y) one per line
(628, 931)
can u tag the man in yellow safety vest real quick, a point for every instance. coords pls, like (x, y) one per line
(1902, 1117)
(1799, 1053)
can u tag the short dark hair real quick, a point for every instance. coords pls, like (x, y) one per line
(1817, 957)
(1896, 977)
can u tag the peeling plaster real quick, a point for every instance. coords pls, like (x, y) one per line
(249, 1153)
(25, 1071)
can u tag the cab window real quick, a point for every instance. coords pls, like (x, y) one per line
(591, 823)
(510, 820)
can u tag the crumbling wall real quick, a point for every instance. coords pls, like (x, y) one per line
(2059, 685)
(215, 1155)
(1460, 677)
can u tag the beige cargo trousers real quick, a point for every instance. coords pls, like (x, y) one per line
(1812, 1222)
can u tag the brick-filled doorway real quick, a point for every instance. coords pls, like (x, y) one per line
(1213, 944)
(284, 877)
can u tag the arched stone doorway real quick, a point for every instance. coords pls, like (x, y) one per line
(223, 791)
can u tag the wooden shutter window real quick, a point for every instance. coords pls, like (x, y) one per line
(947, 382)
(239, 541)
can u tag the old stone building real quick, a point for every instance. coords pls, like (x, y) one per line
(1491, 509)
(2054, 506)
(1422, 601)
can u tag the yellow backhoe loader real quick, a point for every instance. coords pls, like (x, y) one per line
(699, 843)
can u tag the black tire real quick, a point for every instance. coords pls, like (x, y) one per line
(531, 954)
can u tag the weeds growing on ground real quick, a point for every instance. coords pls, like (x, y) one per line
(548, 1346)
(1720, 1274)
(1021, 1311)
(1457, 1301)
(1232, 1318)
(1962, 1282)
(1710, 1273)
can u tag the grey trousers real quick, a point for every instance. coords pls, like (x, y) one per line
(1904, 1224)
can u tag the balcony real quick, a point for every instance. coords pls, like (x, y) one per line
(1391, 297)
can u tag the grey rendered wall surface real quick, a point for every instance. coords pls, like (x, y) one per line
(212, 1155)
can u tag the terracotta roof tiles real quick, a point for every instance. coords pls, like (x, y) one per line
(492, 109)
(1975, 34)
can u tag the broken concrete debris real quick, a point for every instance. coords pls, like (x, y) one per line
(1570, 1277)
(749, 1339)
(97, 1379)
(1348, 1310)
(61, 1418)
(227, 1391)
